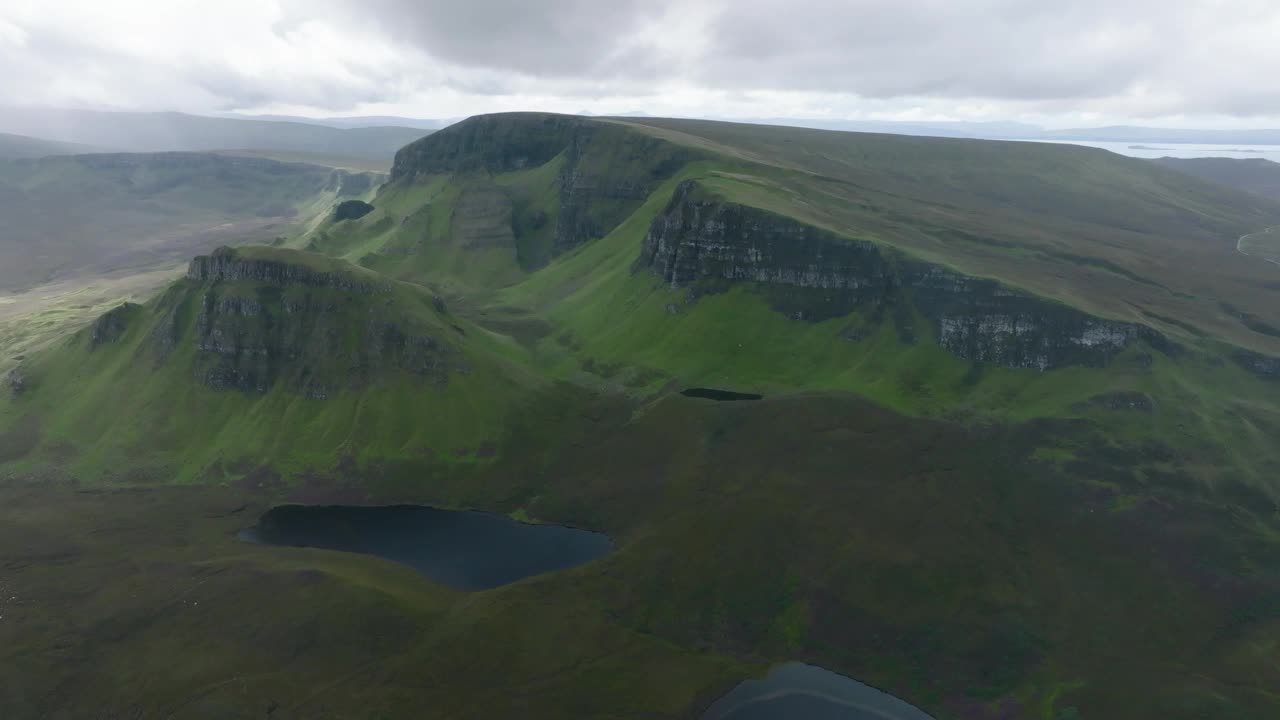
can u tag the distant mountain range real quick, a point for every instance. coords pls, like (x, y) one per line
(1128, 133)
(21, 146)
(71, 216)
(371, 141)
(347, 123)
(1027, 131)
(954, 129)
(161, 132)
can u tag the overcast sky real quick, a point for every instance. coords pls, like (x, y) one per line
(1058, 62)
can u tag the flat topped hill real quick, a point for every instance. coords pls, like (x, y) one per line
(1117, 237)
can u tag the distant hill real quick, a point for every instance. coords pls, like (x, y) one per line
(1026, 131)
(1129, 133)
(166, 132)
(955, 129)
(361, 121)
(21, 146)
(1254, 175)
(66, 215)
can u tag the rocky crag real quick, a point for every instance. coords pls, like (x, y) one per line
(1264, 366)
(702, 242)
(606, 171)
(110, 326)
(254, 323)
(16, 379)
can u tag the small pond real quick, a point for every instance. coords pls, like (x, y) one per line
(796, 691)
(465, 550)
(721, 395)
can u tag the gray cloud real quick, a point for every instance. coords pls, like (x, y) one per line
(1133, 56)
(1112, 58)
(559, 38)
(981, 48)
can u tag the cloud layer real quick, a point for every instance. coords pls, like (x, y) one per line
(887, 58)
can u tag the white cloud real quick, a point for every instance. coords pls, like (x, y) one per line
(1086, 60)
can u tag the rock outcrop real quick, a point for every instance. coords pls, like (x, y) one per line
(349, 184)
(1124, 400)
(1264, 366)
(230, 264)
(16, 380)
(312, 345)
(702, 242)
(112, 325)
(606, 170)
(265, 323)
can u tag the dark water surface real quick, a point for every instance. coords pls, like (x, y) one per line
(721, 395)
(804, 692)
(465, 550)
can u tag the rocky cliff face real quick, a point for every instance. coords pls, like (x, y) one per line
(701, 242)
(695, 239)
(229, 265)
(16, 380)
(488, 143)
(255, 324)
(980, 319)
(607, 169)
(350, 184)
(313, 343)
(1264, 366)
(112, 325)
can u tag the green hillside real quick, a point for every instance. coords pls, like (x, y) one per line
(1254, 175)
(299, 341)
(1152, 260)
(1258, 176)
(1015, 456)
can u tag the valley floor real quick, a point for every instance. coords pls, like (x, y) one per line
(138, 601)
(32, 318)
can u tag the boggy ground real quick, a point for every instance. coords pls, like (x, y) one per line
(962, 568)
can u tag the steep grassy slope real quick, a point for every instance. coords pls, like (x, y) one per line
(1114, 235)
(263, 357)
(1118, 237)
(1264, 245)
(1016, 457)
(859, 281)
(1254, 175)
(1261, 177)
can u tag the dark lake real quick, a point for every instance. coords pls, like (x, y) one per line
(804, 692)
(465, 550)
(720, 395)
